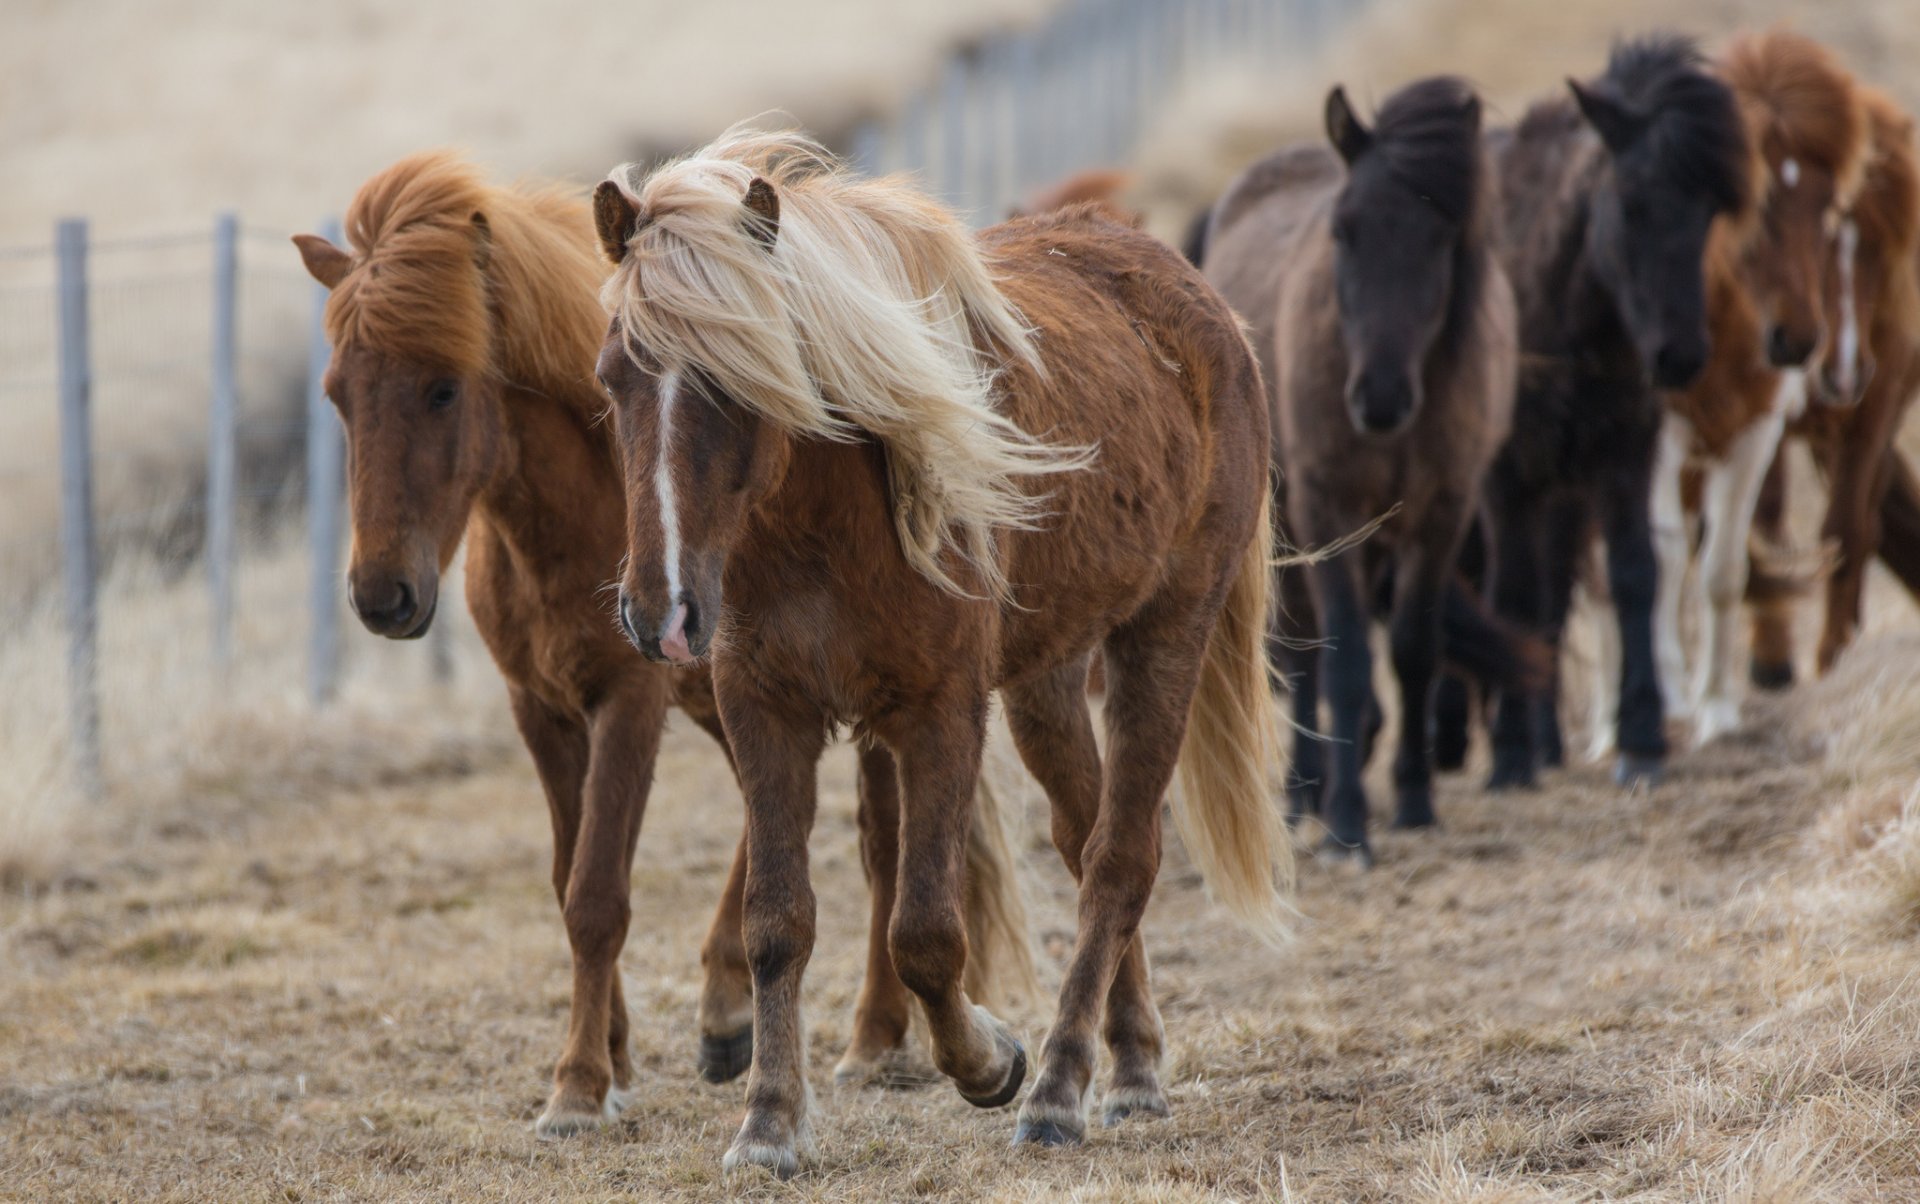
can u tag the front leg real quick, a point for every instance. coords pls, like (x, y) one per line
(623, 738)
(1732, 489)
(1420, 579)
(1632, 578)
(1347, 665)
(777, 746)
(1673, 552)
(881, 1016)
(1514, 531)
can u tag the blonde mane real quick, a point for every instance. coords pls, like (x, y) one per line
(451, 270)
(871, 311)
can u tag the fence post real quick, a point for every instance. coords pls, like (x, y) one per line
(222, 436)
(76, 504)
(325, 454)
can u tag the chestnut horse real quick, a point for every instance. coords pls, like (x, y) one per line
(1373, 290)
(1765, 274)
(1608, 200)
(464, 329)
(877, 469)
(1861, 388)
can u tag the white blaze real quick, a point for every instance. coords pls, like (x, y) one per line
(663, 485)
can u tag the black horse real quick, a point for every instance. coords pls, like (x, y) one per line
(1608, 198)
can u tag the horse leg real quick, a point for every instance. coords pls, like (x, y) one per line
(726, 996)
(776, 750)
(1632, 578)
(623, 737)
(1673, 553)
(882, 1016)
(1452, 719)
(939, 747)
(1347, 661)
(1515, 535)
(1732, 489)
(1295, 657)
(1414, 637)
(1858, 481)
(1567, 536)
(1770, 666)
(1054, 733)
(1153, 668)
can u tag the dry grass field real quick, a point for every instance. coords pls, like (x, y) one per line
(1705, 992)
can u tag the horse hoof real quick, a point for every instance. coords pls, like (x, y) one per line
(894, 1070)
(1636, 770)
(570, 1118)
(725, 1058)
(1016, 1075)
(1122, 1102)
(1409, 820)
(1046, 1133)
(1448, 759)
(782, 1160)
(1771, 675)
(1335, 851)
(1509, 775)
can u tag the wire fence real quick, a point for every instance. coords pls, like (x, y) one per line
(179, 375)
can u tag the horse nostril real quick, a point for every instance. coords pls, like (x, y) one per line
(1785, 350)
(693, 618)
(627, 621)
(402, 610)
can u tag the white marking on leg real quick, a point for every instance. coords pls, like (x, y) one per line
(663, 485)
(1848, 246)
(1672, 547)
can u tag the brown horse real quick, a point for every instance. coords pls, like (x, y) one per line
(1372, 288)
(464, 330)
(875, 470)
(1861, 388)
(1766, 270)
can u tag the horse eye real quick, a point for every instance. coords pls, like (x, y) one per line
(442, 393)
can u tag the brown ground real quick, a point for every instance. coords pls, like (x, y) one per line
(1570, 994)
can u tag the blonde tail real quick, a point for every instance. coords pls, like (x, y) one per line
(999, 952)
(1224, 810)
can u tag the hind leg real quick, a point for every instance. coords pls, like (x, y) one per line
(1347, 662)
(881, 1018)
(1153, 667)
(1730, 495)
(1054, 733)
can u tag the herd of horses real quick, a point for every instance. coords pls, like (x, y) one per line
(797, 451)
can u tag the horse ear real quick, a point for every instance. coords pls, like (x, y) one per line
(482, 241)
(325, 262)
(763, 209)
(1470, 109)
(1616, 124)
(1344, 129)
(613, 219)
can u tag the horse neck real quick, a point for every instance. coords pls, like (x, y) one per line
(830, 513)
(1566, 310)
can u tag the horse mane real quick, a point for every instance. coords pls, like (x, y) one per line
(872, 311)
(1799, 103)
(1103, 184)
(1887, 210)
(1695, 131)
(1428, 135)
(451, 270)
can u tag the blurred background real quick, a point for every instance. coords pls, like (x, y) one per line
(171, 623)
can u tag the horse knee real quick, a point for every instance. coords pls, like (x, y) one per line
(596, 923)
(929, 949)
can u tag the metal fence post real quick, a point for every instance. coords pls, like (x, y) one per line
(326, 453)
(76, 504)
(222, 436)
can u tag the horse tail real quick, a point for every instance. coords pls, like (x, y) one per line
(1000, 967)
(1193, 244)
(1489, 649)
(1225, 810)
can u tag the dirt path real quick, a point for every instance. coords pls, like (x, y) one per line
(1571, 993)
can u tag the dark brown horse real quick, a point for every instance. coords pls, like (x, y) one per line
(1861, 388)
(1386, 324)
(1608, 198)
(877, 469)
(465, 327)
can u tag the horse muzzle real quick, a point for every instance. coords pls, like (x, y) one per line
(393, 606)
(679, 639)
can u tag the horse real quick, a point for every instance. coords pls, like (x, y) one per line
(1367, 271)
(876, 469)
(1766, 273)
(464, 328)
(1864, 381)
(1608, 200)
(1105, 185)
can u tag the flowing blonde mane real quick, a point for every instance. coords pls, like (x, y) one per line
(451, 270)
(871, 311)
